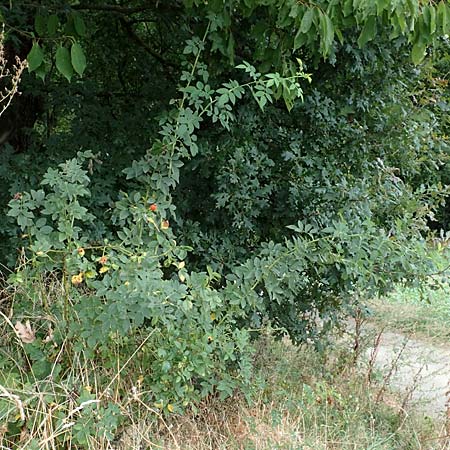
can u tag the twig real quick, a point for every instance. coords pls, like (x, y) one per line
(8, 93)
(392, 369)
(373, 356)
(411, 389)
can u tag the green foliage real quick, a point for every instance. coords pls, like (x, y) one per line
(49, 28)
(179, 216)
(133, 292)
(312, 27)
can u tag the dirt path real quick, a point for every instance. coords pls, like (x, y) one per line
(418, 364)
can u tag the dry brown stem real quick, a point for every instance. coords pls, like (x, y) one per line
(9, 78)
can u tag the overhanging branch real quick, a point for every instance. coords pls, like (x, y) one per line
(131, 33)
(113, 8)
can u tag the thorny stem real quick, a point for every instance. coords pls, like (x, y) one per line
(183, 99)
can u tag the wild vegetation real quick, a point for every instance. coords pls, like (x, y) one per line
(182, 175)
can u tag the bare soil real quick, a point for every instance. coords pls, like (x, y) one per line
(415, 368)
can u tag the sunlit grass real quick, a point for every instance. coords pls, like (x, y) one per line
(424, 313)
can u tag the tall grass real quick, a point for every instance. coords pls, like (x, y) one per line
(302, 399)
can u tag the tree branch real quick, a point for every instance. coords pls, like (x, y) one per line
(113, 8)
(129, 29)
(174, 6)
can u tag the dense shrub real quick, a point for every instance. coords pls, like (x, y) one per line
(175, 221)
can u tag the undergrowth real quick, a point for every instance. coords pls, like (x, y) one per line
(300, 399)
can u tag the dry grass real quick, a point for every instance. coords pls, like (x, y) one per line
(301, 399)
(297, 406)
(306, 401)
(218, 425)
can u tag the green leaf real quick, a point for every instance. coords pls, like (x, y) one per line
(443, 14)
(80, 26)
(63, 62)
(413, 7)
(418, 52)
(327, 33)
(288, 99)
(78, 58)
(40, 25)
(447, 15)
(307, 19)
(396, 28)
(41, 71)
(432, 19)
(381, 6)
(400, 20)
(339, 35)
(35, 57)
(423, 28)
(368, 32)
(52, 25)
(426, 14)
(230, 49)
(299, 39)
(347, 8)
(69, 27)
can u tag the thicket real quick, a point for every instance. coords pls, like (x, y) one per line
(210, 167)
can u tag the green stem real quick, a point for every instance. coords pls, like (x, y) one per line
(66, 286)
